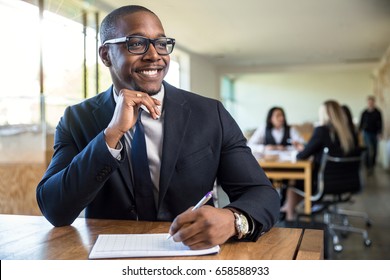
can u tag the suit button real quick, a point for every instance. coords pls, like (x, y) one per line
(99, 178)
(132, 210)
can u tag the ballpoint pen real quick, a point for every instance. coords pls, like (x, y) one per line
(199, 204)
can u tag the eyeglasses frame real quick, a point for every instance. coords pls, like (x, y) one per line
(151, 41)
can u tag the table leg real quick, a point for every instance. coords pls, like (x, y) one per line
(307, 188)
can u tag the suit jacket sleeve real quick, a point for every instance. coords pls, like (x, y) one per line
(76, 174)
(242, 178)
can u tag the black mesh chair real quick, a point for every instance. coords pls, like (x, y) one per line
(339, 179)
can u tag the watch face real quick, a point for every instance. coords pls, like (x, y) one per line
(244, 225)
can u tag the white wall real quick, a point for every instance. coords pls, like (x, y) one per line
(204, 79)
(300, 93)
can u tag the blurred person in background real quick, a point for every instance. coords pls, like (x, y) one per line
(371, 127)
(276, 134)
(334, 133)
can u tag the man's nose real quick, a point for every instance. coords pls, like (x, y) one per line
(152, 53)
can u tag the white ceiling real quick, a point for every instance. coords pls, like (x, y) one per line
(252, 33)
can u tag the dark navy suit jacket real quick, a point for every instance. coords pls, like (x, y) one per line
(201, 142)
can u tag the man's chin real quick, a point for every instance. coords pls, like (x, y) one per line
(149, 90)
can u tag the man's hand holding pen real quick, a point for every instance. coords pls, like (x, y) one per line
(204, 227)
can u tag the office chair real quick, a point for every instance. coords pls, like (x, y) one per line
(339, 178)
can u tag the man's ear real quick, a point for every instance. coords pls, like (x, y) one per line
(104, 55)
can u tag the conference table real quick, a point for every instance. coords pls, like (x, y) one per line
(33, 237)
(282, 165)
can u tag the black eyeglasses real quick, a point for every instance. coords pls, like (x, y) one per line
(140, 45)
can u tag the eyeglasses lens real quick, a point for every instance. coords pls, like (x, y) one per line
(139, 45)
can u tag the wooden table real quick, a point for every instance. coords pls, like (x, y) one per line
(287, 169)
(33, 237)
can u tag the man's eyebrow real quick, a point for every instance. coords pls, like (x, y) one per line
(143, 35)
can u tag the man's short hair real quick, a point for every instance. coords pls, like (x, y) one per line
(108, 26)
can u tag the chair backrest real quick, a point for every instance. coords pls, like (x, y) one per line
(339, 175)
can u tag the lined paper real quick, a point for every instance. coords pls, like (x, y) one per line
(142, 245)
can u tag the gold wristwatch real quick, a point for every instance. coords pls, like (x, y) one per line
(241, 224)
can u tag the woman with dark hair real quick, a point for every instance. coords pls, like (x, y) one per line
(276, 134)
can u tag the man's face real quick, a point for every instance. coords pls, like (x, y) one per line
(277, 119)
(370, 103)
(138, 72)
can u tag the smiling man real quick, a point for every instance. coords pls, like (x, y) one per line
(145, 150)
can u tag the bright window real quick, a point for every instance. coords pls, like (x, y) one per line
(62, 57)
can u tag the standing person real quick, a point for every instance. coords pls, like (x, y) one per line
(145, 150)
(276, 134)
(334, 133)
(371, 127)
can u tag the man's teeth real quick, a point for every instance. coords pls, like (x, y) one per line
(149, 72)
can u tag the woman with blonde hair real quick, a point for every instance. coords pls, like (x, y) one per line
(335, 134)
(334, 117)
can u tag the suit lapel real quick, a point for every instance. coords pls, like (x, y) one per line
(105, 109)
(103, 115)
(176, 116)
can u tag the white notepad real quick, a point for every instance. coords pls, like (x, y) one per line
(142, 245)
